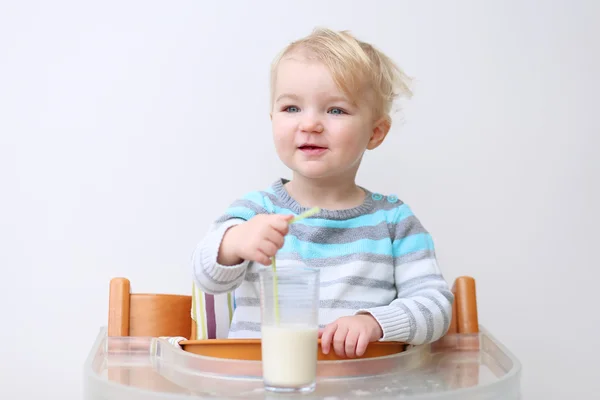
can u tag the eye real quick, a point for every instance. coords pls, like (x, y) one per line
(337, 111)
(291, 109)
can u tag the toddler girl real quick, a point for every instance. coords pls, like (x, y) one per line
(331, 96)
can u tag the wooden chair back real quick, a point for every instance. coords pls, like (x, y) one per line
(464, 308)
(141, 314)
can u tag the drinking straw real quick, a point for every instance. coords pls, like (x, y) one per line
(300, 217)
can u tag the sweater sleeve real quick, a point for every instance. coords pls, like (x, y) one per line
(210, 276)
(421, 311)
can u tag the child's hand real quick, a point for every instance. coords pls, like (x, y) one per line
(257, 239)
(351, 335)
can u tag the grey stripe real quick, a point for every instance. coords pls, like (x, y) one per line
(346, 304)
(365, 257)
(406, 227)
(360, 281)
(384, 204)
(335, 261)
(383, 230)
(414, 256)
(421, 280)
(245, 326)
(442, 309)
(429, 319)
(348, 280)
(412, 322)
(327, 235)
(251, 277)
(247, 301)
(448, 295)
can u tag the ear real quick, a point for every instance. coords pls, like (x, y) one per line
(380, 131)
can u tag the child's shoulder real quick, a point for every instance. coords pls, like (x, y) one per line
(399, 217)
(389, 206)
(259, 200)
(254, 198)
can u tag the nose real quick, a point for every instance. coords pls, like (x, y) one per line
(311, 123)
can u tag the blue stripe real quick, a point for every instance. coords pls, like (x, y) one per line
(384, 247)
(269, 206)
(245, 212)
(412, 243)
(394, 215)
(240, 212)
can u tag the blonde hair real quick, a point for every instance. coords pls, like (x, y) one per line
(355, 66)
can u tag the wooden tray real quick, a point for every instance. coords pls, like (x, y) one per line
(249, 349)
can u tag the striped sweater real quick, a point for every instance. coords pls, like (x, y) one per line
(375, 258)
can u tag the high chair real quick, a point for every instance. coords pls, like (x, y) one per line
(128, 361)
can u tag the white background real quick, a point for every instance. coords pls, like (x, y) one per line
(127, 126)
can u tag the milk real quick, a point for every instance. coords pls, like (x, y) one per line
(289, 354)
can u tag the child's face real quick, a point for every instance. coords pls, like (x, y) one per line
(318, 132)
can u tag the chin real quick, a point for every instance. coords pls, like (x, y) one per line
(310, 170)
(313, 173)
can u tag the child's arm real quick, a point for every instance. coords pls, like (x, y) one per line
(209, 275)
(422, 310)
(245, 233)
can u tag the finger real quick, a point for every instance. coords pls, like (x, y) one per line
(267, 248)
(288, 218)
(339, 340)
(321, 330)
(262, 258)
(281, 223)
(362, 344)
(350, 345)
(276, 238)
(327, 337)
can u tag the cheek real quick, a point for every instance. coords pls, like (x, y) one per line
(352, 136)
(283, 133)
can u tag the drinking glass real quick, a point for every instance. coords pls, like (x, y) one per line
(289, 300)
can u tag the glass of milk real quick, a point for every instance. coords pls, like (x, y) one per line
(289, 301)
